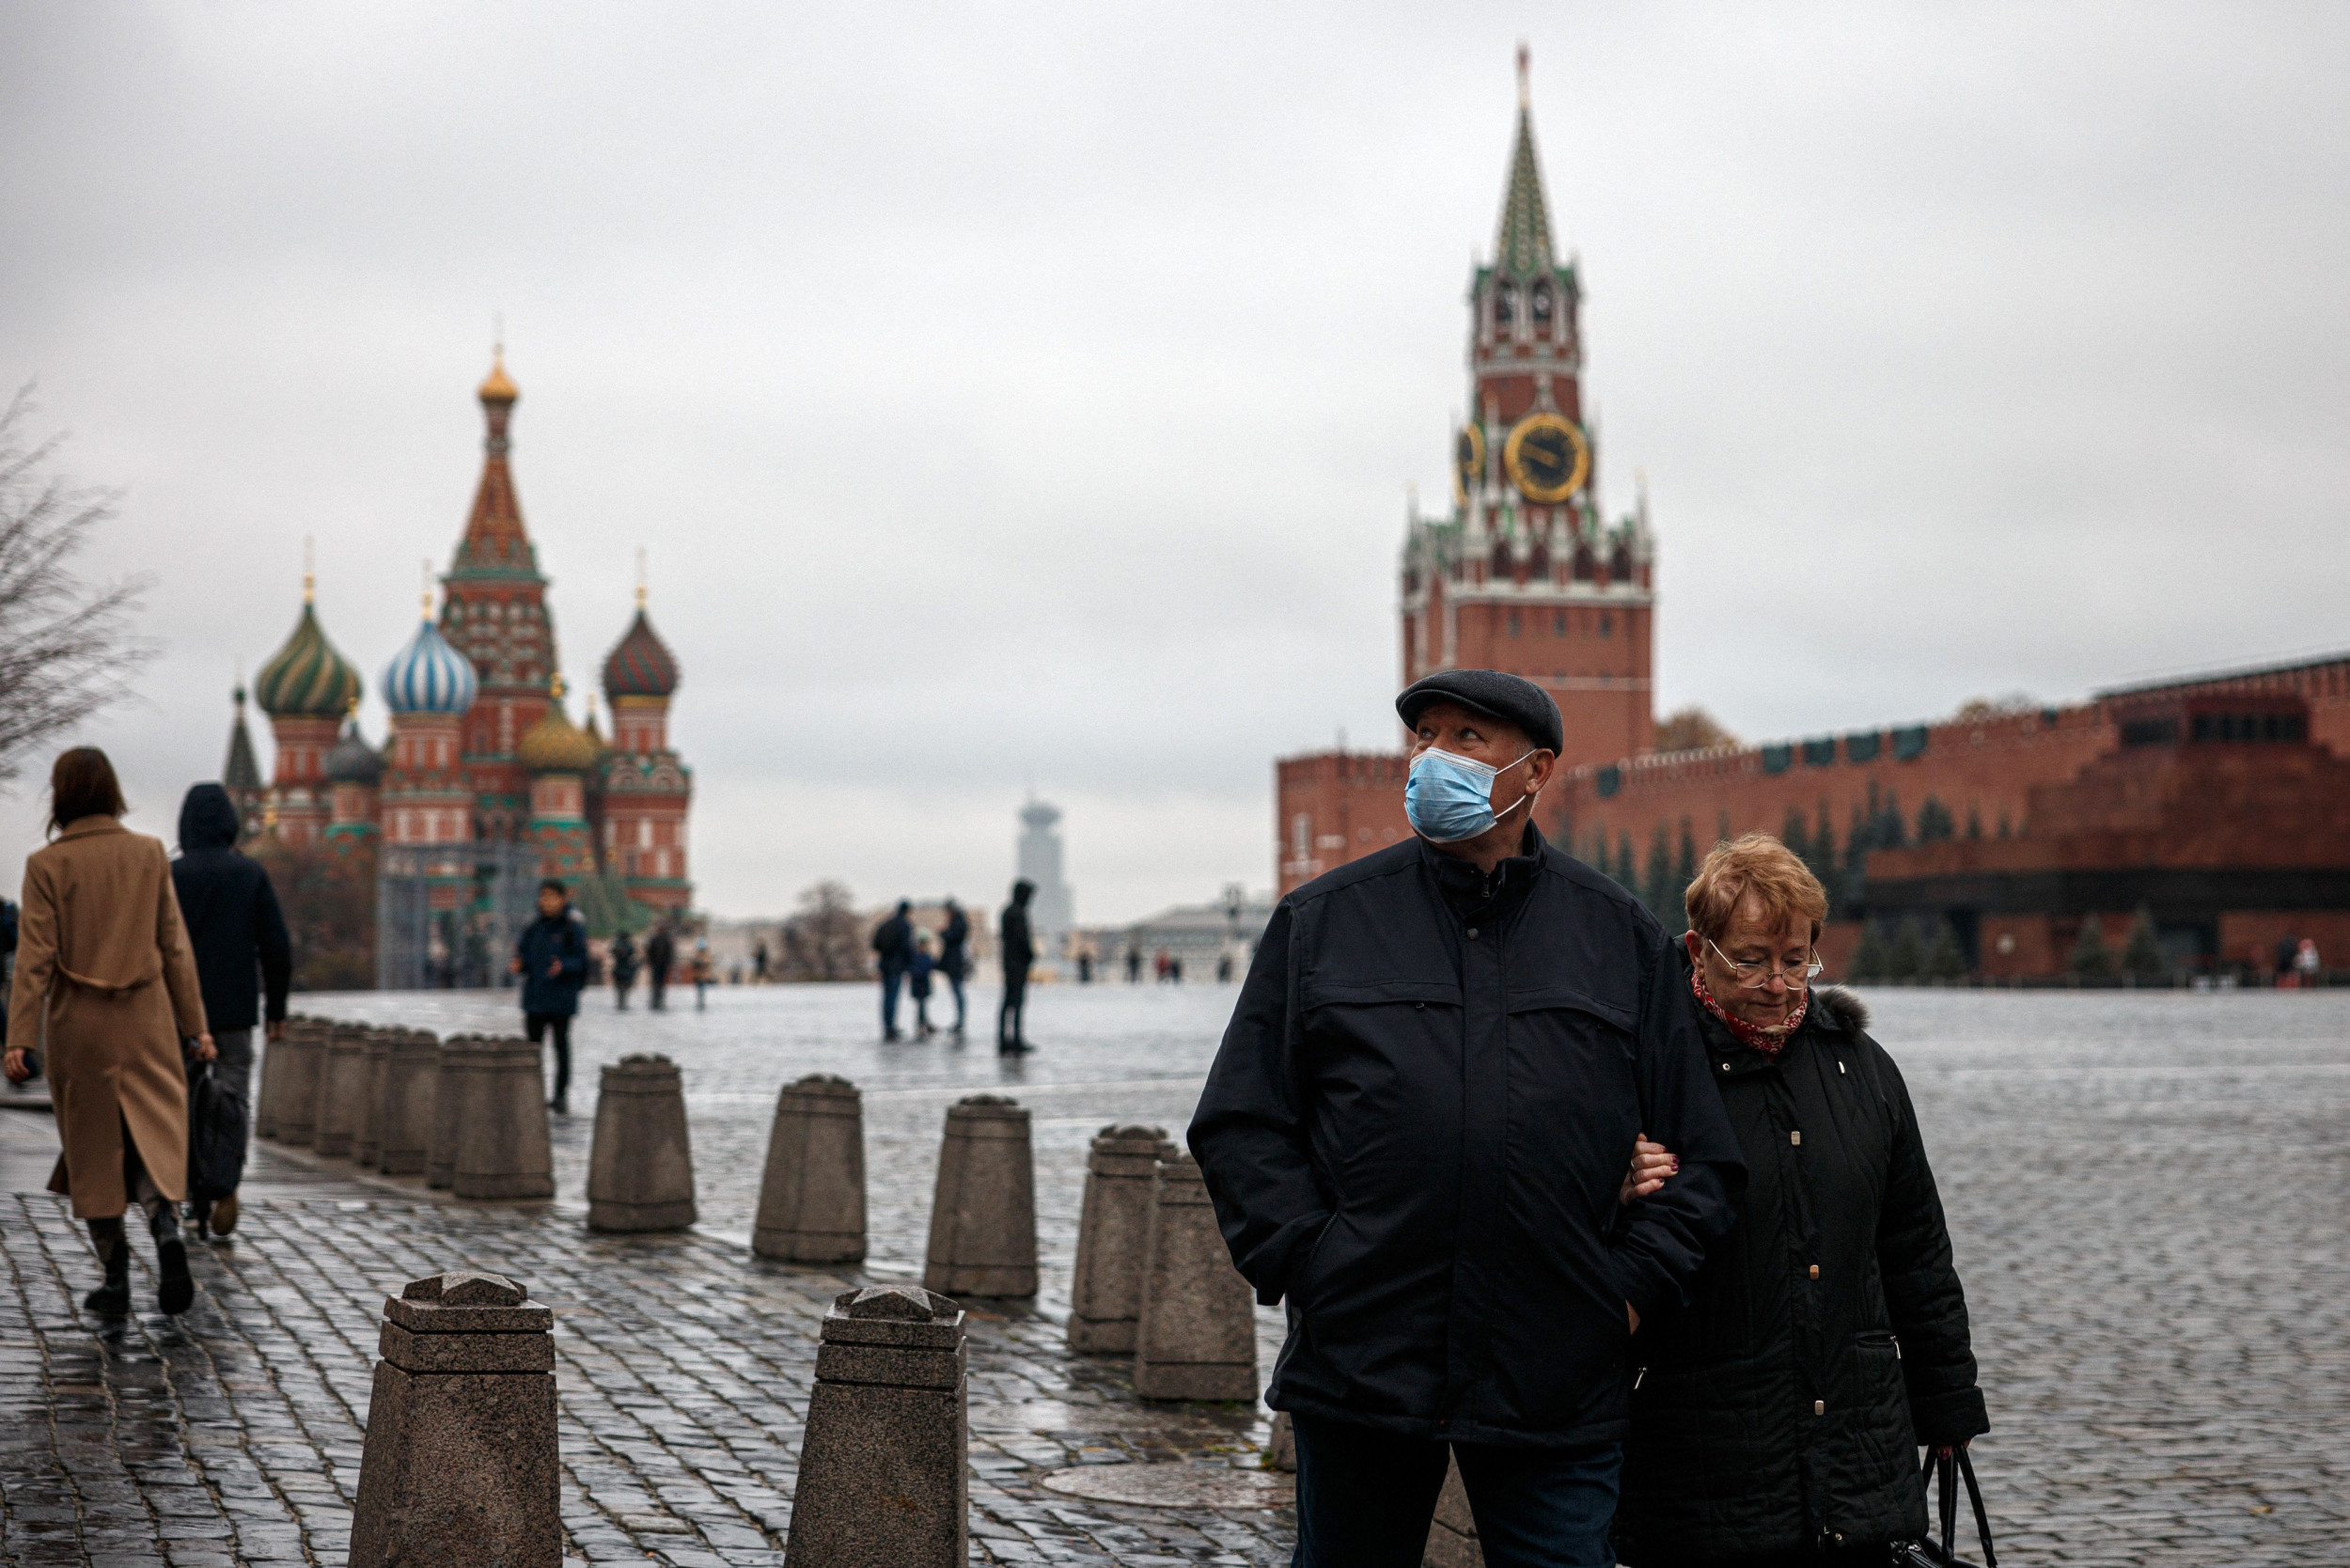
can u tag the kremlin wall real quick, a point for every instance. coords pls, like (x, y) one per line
(486, 783)
(2216, 805)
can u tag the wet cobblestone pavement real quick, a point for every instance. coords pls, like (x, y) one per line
(2146, 1193)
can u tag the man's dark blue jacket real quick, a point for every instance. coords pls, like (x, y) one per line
(1417, 1127)
(235, 929)
(560, 940)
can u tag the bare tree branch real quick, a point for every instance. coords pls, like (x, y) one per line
(66, 650)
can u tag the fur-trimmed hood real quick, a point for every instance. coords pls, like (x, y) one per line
(1841, 1008)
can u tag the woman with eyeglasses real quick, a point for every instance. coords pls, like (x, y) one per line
(1778, 1413)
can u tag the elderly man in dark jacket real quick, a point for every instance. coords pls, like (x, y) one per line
(1416, 1132)
(238, 937)
(550, 955)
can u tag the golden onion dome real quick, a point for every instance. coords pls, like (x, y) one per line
(499, 387)
(555, 745)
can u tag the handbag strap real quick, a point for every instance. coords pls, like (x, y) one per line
(1983, 1520)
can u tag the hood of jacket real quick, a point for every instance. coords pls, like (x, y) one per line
(207, 820)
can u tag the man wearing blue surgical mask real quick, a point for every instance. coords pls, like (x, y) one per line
(1415, 1134)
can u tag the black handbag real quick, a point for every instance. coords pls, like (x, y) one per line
(215, 1138)
(1945, 1469)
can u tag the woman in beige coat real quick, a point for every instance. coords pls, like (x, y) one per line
(106, 988)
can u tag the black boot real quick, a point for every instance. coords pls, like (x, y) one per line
(177, 1288)
(113, 1298)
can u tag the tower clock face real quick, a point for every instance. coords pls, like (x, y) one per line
(1468, 462)
(1549, 457)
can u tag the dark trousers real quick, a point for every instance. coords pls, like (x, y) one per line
(540, 1024)
(1008, 1017)
(892, 978)
(954, 983)
(619, 992)
(1366, 1497)
(657, 987)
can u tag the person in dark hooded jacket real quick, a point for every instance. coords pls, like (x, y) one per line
(551, 956)
(243, 961)
(1778, 1413)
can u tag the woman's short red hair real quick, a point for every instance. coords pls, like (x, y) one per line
(1759, 866)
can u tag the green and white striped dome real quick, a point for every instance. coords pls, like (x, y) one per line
(306, 678)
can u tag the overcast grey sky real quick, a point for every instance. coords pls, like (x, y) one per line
(1025, 396)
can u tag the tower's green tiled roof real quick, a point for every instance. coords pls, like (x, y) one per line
(1522, 247)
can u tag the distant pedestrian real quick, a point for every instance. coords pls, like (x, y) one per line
(758, 963)
(1019, 956)
(1085, 968)
(2306, 962)
(103, 966)
(701, 974)
(1134, 965)
(1223, 968)
(660, 954)
(893, 947)
(1175, 969)
(954, 959)
(623, 968)
(918, 970)
(1163, 966)
(243, 961)
(550, 955)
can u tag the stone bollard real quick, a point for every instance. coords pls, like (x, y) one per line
(984, 1210)
(502, 1123)
(440, 1158)
(411, 1079)
(367, 1143)
(1280, 1448)
(301, 1059)
(342, 1091)
(1196, 1333)
(640, 1169)
(884, 1460)
(269, 1094)
(459, 1462)
(1112, 1229)
(1452, 1534)
(811, 1201)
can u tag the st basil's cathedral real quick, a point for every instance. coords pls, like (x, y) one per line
(485, 775)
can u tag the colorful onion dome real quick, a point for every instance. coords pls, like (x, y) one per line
(306, 678)
(555, 745)
(499, 387)
(353, 760)
(641, 665)
(430, 676)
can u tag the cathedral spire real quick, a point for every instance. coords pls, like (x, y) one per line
(496, 541)
(1522, 242)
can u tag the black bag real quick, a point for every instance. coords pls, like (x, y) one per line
(215, 1138)
(1946, 1469)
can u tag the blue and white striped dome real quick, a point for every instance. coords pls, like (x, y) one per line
(428, 676)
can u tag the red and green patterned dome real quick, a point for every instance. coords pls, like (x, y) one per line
(641, 665)
(306, 678)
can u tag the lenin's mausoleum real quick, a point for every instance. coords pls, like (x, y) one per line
(2217, 805)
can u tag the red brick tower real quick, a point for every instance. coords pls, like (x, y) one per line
(305, 688)
(494, 612)
(645, 788)
(1527, 576)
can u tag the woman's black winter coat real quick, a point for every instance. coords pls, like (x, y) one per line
(1825, 1338)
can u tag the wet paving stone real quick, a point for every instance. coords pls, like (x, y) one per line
(2145, 1196)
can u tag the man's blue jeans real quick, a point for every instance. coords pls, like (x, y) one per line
(892, 978)
(1365, 1499)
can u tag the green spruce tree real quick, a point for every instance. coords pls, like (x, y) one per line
(1625, 872)
(1656, 891)
(1796, 836)
(1974, 824)
(1907, 958)
(2141, 953)
(1936, 824)
(1946, 960)
(1870, 958)
(2091, 958)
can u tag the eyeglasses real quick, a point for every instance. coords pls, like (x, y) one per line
(1757, 976)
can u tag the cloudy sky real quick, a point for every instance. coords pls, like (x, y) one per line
(1016, 399)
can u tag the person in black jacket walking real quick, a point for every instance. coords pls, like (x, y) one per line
(550, 955)
(954, 957)
(1019, 953)
(1778, 1418)
(1415, 1134)
(893, 949)
(243, 961)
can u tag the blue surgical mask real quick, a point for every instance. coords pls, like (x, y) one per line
(1449, 797)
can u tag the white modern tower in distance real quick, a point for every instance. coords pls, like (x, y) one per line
(1039, 859)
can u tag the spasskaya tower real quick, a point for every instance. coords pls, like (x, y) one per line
(1526, 574)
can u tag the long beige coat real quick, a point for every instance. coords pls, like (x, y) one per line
(101, 943)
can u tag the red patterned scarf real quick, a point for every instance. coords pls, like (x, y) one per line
(1769, 1040)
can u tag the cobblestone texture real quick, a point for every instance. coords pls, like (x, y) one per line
(2146, 1196)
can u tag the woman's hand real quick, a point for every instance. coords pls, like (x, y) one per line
(1650, 1164)
(205, 1049)
(15, 1066)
